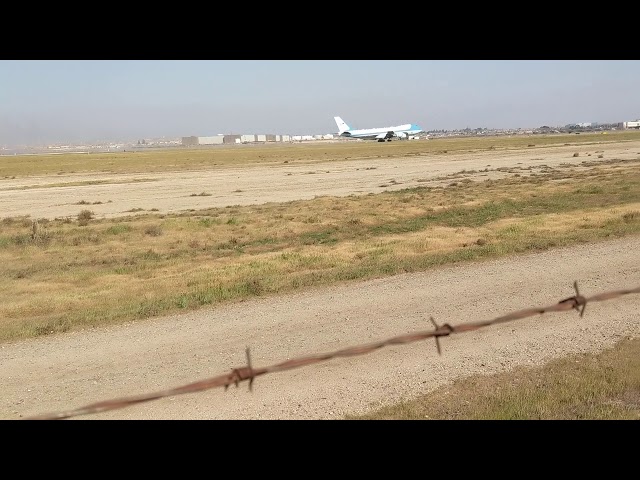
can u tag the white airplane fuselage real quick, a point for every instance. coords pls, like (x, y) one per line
(381, 134)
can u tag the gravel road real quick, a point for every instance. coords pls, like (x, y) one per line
(71, 370)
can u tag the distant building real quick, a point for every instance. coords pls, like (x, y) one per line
(189, 141)
(213, 140)
(231, 139)
(223, 139)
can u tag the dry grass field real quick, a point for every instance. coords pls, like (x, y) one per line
(154, 258)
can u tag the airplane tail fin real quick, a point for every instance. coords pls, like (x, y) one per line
(342, 127)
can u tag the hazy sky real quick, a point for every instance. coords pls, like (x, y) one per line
(52, 101)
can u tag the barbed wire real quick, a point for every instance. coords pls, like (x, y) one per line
(577, 302)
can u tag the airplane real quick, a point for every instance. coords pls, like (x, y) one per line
(381, 134)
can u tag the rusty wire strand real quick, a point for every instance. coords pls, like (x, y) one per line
(237, 375)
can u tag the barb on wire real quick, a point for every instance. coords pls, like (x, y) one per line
(577, 300)
(439, 333)
(237, 375)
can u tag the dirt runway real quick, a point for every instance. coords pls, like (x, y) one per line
(127, 194)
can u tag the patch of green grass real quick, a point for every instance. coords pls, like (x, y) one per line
(208, 222)
(322, 237)
(493, 210)
(590, 190)
(604, 386)
(118, 229)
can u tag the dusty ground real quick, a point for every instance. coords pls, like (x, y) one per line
(242, 186)
(65, 372)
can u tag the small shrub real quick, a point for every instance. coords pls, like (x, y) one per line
(84, 216)
(254, 287)
(576, 154)
(631, 216)
(153, 230)
(22, 239)
(34, 230)
(151, 255)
